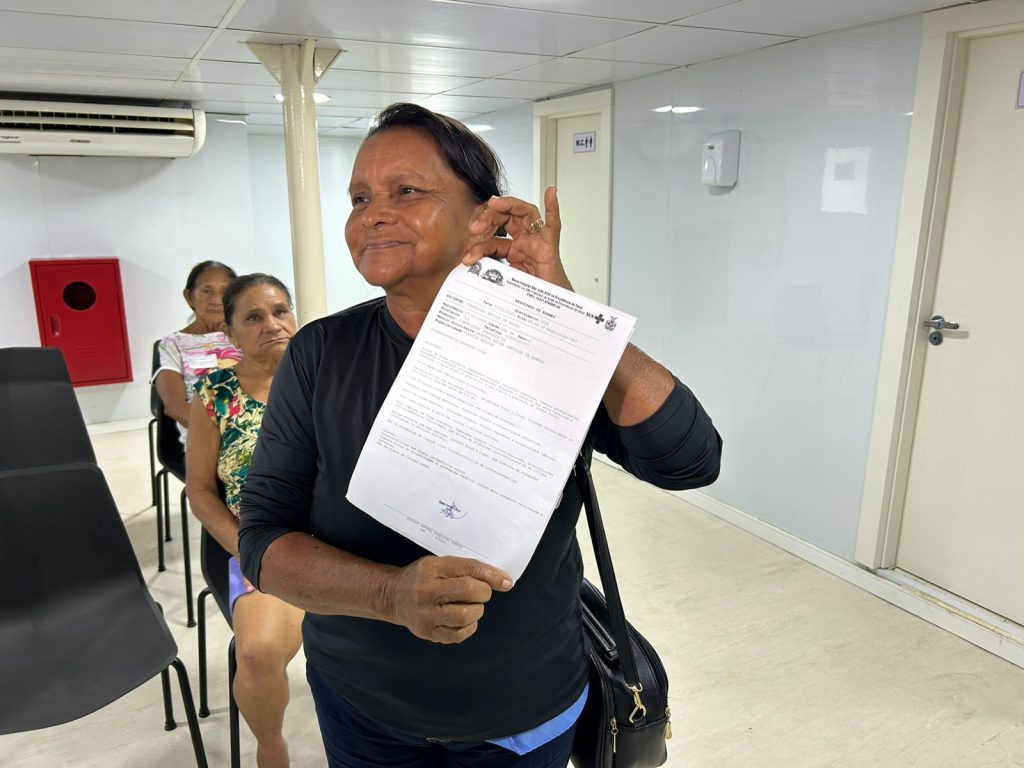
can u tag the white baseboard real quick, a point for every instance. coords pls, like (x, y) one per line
(965, 620)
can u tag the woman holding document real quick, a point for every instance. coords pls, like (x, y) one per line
(415, 659)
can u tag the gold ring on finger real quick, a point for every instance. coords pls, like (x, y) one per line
(537, 225)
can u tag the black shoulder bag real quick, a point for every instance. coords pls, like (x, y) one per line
(625, 722)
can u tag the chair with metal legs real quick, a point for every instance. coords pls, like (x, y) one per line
(77, 616)
(80, 623)
(170, 454)
(42, 423)
(214, 560)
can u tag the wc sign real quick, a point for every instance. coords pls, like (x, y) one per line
(584, 142)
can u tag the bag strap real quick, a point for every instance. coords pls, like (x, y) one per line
(611, 588)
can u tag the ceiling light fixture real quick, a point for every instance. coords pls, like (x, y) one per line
(480, 128)
(318, 98)
(226, 120)
(677, 110)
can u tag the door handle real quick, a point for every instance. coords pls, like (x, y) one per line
(939, 323)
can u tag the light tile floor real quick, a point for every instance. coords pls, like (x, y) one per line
(772, 661)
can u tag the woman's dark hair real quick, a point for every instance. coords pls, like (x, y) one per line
(202, 266)
(242, 283)
(469, 156)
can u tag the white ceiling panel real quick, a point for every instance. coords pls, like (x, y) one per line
(658, 11)
(38, 61)
(336, 110)
(335, 78)
(348, 132)
(802, 18)
(680, 45)
(234, 108)
(361, 80)
(229, 72)
(470, 105)
(74, 33)
(273, 113)
(254, 94)
(585, 71)
(448, 25)
(265, 94)
(513, 89)
(207, 13)
(382, 57)
(464, 58)
(120, 87)
(322, 121)
(262, 119)
(371, 99)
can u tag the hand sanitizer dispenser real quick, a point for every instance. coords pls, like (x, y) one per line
(720, 159)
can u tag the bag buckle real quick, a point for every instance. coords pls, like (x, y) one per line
(638, 706)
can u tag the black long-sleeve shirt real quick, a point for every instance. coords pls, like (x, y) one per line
(525, 664)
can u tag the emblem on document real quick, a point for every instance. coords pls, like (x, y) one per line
(610, 323)
(451, 511)
(491, 275)
(494, 276)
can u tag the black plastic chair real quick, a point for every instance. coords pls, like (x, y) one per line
(39, 413)
(80, 629)
(170, 453)
(214, 560)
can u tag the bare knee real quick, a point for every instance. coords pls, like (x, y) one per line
(258, 658)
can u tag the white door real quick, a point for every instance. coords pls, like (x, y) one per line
(582, 201)
(963, 516)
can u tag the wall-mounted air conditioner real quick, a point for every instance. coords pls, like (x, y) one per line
(64, 128)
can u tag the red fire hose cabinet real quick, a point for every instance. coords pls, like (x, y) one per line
(80, 309)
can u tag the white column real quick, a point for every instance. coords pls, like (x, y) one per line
(298, 68)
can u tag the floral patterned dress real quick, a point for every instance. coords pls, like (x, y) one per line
(238, 418)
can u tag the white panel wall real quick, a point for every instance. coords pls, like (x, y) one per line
(769, 299)
(159, 217)
(345, 286)
(511, 138)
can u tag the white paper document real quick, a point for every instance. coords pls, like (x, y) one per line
(475, 441)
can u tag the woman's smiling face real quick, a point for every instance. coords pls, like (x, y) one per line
(409, 225)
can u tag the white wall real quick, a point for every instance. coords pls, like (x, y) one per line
(345, 286)
(511, 138)
(159, 217)
(769, 299)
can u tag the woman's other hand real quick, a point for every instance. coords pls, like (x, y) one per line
(533, 243)
(442, 599)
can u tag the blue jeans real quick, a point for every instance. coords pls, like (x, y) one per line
(353, 740)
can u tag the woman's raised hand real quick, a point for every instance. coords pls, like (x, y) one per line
(533, 243)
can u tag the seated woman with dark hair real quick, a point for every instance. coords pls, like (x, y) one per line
(225, 420)
(199, 347)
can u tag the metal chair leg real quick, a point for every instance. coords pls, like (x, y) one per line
(190, 714)
(165, 684)
(204, 708)
(187, 556)
(160, 522)
(152, 461)
(167, 506)
(236, 752)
